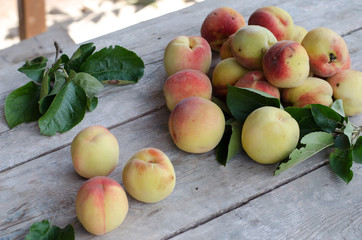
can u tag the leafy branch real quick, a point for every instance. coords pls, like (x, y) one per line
(59, 96)
(321, 127)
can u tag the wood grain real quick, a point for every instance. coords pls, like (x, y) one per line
(37, 180)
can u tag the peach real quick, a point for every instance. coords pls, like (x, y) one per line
(187, 52)
(225, 50)
(226, 72)
(299, 33)
(286, 64)
(347, 85)
(219, 25)
(94, 151)
(327, 50)
(196, 125)
(257, 80)
(249, 44)
(184, 84)
(269, 135)
(101, 205)
(313, 90)
(276, 19)
(149, 176)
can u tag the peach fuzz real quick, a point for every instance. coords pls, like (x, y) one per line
(101, 205)
(257, 80)
(313, 90)
(276, 19)
(226, 72)
(149, 176)
(184, 84)
(187, 52)
(196, 125)
(249, 44)
(219, 25)
(347, 85)
(327, 51)
(286, 64)
(94, 151)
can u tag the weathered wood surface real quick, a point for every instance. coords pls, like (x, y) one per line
(240, 201)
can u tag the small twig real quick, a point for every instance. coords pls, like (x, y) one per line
(57, 50)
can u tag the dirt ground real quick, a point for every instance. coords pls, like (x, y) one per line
(87, 19)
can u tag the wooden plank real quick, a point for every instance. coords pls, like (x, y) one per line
(316, 206)
(118, 104)
(39, 169)
(31, 18)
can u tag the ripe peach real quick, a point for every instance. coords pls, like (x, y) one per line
(257, 80)
(299, 33)
(312, 90)
(225, 50)
(219, 25)
(196, 125)
(269, 135)
(286, 64)
(101, 205)
(347, 85)
(95, 152)
(187, 52)
(149, 176)
(327, 51)
(184, 84)
(276, 19)
(227, 71)
(249, 44)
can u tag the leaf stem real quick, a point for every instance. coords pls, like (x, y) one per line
(58, 50)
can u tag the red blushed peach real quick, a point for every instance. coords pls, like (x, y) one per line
(196, 125)
(185, 52)
(101, 205)
(286, 64)
(347, 85)
(257, 80)
(149, 176)
(313, 90)
(276, 19)
(184, 84)
(219, 25)
(327, 50)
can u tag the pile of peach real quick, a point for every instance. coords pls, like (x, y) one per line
(101, 203)
(270, 53)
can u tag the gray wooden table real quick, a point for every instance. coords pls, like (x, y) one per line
(240, 201)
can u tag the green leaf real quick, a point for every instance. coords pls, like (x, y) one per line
(222, 105)
(79, 57)
(44, 91)
(230, 144)
(92, 103)
(45, 231)
(243, 101)
(90, 84)
(114, 66)
(59, 81)
(325, 117)
(67, 110)
(312, 143)
(348, 131)
(337, 106)
(341, 163)
(34, 69)
(342, 142)
(357, 151)
(21, 105)
(305, 120)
